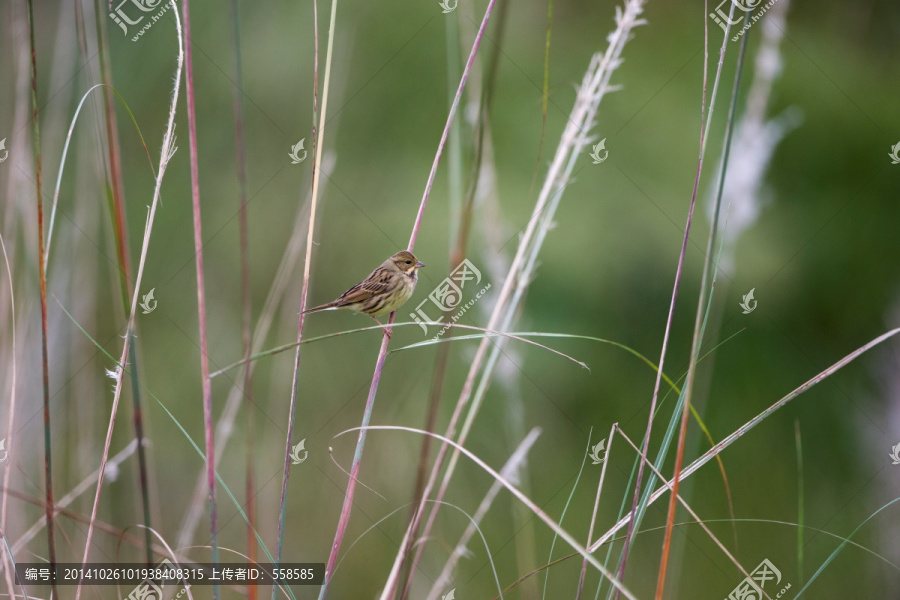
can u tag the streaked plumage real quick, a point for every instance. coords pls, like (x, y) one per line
(385, 290)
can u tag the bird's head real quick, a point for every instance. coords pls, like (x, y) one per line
(405, 262)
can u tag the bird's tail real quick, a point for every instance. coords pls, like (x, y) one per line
(318, 308)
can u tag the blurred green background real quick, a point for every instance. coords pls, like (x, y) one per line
(822, 258)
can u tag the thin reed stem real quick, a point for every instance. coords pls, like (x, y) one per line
(246, 297)
(746, 427)
(453, 108)
(573, 140)
(6, 559)
(800, 503)
(73, 494)
(566, 536)
(687, 507)
(382, 354)
(120, 229)
(674, 298)
(354, 468)
(455, 225)
(116, 185)
(166, 151)
(699, 315)
(460, 228)
(596, 506)
(225, 427)
(434, 401)
(513, 336)
(201, 287)
(545, 98)
(318, 136)
(509, 472)
(42, 275)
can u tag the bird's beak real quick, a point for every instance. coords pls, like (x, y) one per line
(419, 264)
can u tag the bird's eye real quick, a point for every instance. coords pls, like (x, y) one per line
(409, 262)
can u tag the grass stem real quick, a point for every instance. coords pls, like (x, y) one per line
(42, 276)
(201, 286)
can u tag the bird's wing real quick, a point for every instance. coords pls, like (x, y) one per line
(376, 283)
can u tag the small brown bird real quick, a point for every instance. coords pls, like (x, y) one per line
(383, 291)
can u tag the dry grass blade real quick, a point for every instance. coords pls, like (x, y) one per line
(515, 336)
(491, 333)
(689, 509)
(843, 544)
(174, 557)
(103, 526)
(77, 491)
(124, 270)
(596, 506)
(733, 437)
(566, 536)
(509, 472)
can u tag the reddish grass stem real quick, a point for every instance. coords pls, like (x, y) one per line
(445, 135)
(246, 300)
(42, 274)
(357, 459)
(382, 354)
(746, 427)
(201, 290)
(698, 320)
(669, 319)
(166, 153)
